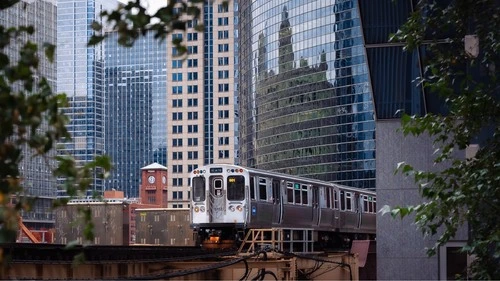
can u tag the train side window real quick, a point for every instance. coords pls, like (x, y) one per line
(305, 193)
(342, 200)
(289, 192)
(367, 206)
(235, 188)
(296, 191)
(328, 197)
(374, 204)
(262, 189)
(348, 201)
(252, 188)
(335, 200)
(198, 189)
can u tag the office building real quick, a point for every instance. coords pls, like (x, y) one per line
(80, 74)
(36, 171)
(136, 107)
(305, 95)
(202, 97)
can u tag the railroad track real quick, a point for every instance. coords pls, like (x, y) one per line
(58, 253)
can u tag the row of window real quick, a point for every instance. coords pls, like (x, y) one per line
(190, 63)
(178, 129)
(300, 194)
(194, 102)
(193, 155)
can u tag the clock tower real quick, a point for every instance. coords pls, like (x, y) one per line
(153, 189)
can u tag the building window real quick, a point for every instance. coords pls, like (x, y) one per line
(177, 168)
(223, 21)
(224, 127)
(223, 61)
(192, 128)
(192, 155)
(223, 140)
(223, 48)
(223, 100)
(192, 89)
(177, 89)
(192, 36)
(224, 87)
(176, 76)
(177, 195)
(177, 64)
(177, 103)
(453, 263)
(192, 142)
(192, 76)
(223, 34)
(193, 115)
(223, 154)
(223, 114)
(192, 102)
(192, 62)
(192, 50)
(177, 182)
(176, 142)
(223, 74)
(176, 115)
(192, 23)
(223, 8)
(177, 129)
(177, 155)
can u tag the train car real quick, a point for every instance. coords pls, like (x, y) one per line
(228, 200)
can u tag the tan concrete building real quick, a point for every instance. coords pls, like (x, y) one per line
(202, 103)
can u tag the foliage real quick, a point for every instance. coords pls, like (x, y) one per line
(31, 124)
(467, 191)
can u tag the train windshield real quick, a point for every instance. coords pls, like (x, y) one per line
(198, 189)
(235, 188)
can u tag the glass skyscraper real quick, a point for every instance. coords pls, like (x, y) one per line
(80, 74)
(36, 172)
(305, 95)
(136, 107)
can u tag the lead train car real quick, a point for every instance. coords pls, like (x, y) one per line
(228, 200)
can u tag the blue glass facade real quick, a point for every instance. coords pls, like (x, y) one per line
(305, 95)
(36, 171)
(136, 106)
(80, 74)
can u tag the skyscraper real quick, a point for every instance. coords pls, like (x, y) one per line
(136, 107)
(80, 74)
(37, 174)
(202, 97)
(306, 97)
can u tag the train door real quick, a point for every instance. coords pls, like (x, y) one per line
(315, 205)
(277, 201)
(359, 208)
(217, 199)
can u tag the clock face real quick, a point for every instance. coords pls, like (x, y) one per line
(164, 179)
(151, 179)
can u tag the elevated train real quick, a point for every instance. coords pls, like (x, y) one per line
(228, 200)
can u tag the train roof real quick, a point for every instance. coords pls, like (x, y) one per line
(292, 177)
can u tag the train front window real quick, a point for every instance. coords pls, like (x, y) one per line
(198, 189)
(235, 188)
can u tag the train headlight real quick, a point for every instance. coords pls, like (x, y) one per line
(231, 208)
(202, 209)
(196, 209)
(240, 208)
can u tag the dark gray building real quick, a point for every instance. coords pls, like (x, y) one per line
(136, 106)
(36, 171)
(401, 253)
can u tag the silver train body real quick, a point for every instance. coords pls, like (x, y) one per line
(230, 198)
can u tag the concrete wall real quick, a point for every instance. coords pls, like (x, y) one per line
(401, 247)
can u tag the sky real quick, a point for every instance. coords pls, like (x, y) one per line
(152, 5)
